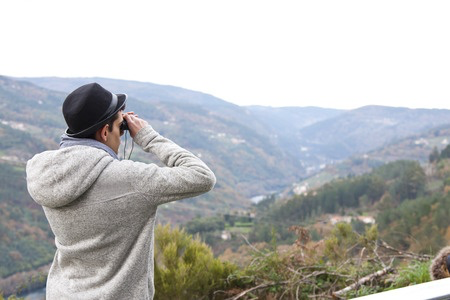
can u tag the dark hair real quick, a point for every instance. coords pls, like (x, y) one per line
(110, 123)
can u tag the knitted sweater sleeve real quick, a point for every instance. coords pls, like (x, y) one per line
(183, 176)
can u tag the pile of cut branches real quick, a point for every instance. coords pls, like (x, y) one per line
(345, 265)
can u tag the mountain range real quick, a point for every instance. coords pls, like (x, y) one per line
(253, 150)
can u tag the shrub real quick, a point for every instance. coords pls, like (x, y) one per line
(185, 267)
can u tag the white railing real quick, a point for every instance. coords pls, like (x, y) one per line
(433, 290)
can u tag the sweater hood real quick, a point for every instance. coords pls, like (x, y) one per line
(56, 178)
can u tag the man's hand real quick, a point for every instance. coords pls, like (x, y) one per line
(134, 123)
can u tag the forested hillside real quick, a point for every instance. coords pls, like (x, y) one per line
(408, 202)
(409, 207)
(26, 241)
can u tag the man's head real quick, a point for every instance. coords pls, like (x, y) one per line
(111, 132)
(90, 110)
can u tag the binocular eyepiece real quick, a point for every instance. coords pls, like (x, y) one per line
(124, 125)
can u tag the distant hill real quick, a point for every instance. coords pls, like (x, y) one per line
(270, 122)
(284, 124)
(367, 128)
(415, 147)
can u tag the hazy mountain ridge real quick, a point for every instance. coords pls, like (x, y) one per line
(368, 128)
(312, 135)
(416, 147)
(267, 121)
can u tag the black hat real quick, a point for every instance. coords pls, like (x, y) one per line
(88, 108)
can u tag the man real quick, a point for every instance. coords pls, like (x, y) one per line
(102, 210)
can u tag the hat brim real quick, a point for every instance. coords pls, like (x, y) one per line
(121, 101)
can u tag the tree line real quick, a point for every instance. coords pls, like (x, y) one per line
(394, 183)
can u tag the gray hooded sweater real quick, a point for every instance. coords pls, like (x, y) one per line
(102, 212)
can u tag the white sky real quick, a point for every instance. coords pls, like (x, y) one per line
(339, 54)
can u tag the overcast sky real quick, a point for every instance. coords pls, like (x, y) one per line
(337, 54)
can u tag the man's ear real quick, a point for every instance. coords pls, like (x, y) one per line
(102, 134)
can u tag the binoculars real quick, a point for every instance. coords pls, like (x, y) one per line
(124, 125)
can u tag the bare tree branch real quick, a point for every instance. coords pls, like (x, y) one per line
(422, 257)
(248, 243)
(376, 253)
(362, 281)
(261, 286)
